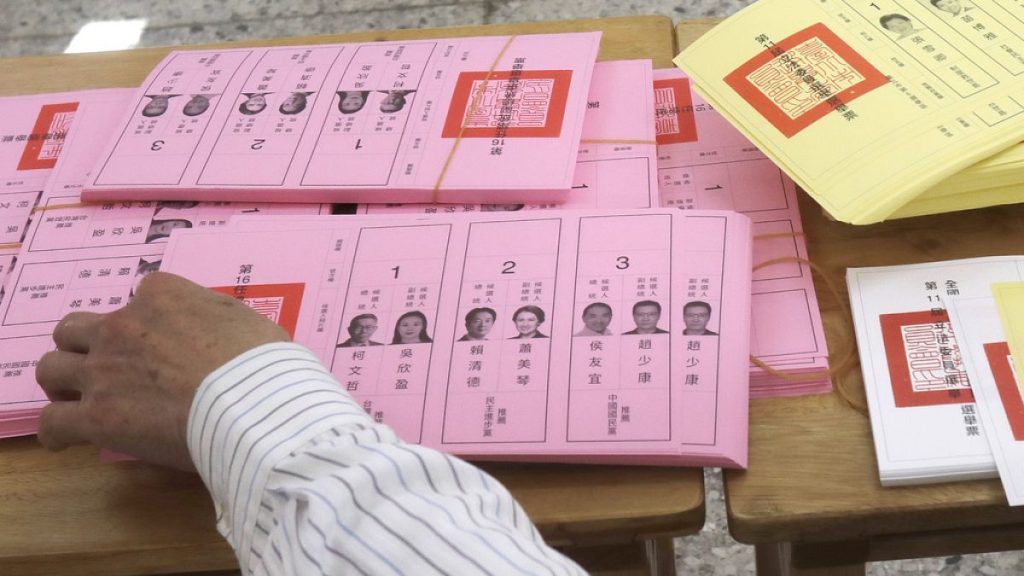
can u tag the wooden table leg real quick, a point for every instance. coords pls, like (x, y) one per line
(661, 556)
(651, 557)
(777, 560)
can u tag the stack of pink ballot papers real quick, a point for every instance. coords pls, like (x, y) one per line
(616, 166)
(535, 336)
(480, 120)
(33, 132)
(79, 256)
(705, 163)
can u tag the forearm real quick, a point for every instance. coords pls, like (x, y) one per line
(304, 480)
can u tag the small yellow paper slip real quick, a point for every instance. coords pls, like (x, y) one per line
(1010, 301)
(867, 104)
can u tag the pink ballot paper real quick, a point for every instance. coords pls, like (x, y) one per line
(487, 119)
(553, 335)
(33, 130)
(616, 163)
(85, 256)
(705, 163)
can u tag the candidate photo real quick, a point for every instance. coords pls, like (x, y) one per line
(360, 331)
(696, 315)
(646, 315)
(596, 318)
(479, 322)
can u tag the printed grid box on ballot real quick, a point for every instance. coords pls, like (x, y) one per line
(475, 120)
(477, 334)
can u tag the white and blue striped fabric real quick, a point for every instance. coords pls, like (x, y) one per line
(305, 482)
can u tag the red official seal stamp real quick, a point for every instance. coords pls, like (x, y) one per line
(802, 78)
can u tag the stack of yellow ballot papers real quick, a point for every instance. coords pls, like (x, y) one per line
(880, 109)
(994, 180)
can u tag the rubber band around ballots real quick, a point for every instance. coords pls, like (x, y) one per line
(62, 206)
(13, 245)
(474, 103)
(846, 362)
(779, 235)
(42, 209)
(614, 141)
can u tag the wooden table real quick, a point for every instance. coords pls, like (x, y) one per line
(811, 501)
(68, 513)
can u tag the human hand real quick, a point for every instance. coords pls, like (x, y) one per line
(125, 380)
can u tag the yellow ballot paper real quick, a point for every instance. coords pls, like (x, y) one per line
(993, 181)
(1002, 169)
(867, 104)
(967, 200)
(1010, 301)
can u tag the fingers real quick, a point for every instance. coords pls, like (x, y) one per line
(59, 374)
(142, 285)
(75, 331)
(60, 425)
(159, 281)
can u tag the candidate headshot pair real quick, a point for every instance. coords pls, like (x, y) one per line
(411, 328)
(159, 103)
(597, 316)
(903, 26)
(256, 102)
(527, 319)
(352, 101)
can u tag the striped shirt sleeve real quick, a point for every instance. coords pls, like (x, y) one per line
(304, 482)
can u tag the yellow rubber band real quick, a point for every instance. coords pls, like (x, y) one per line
(837, 371)
(614, 141)
(474, 103)
(62, 206)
